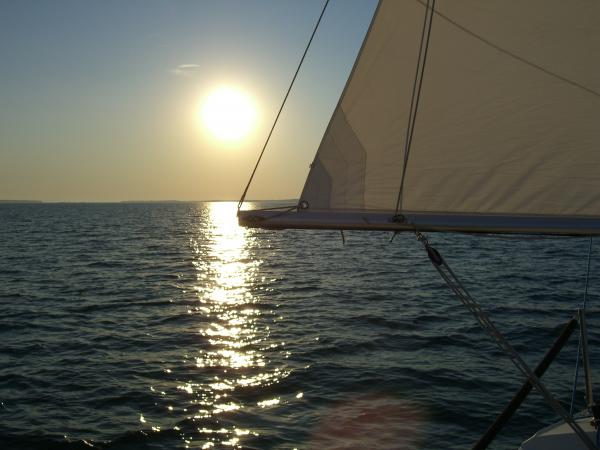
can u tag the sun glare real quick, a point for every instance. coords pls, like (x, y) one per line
(228, 114)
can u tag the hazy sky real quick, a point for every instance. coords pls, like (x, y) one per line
(99, 100)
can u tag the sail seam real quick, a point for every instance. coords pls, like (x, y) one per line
(348, 82)
(514, 55)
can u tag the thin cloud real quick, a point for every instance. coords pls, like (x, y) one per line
(185, 70)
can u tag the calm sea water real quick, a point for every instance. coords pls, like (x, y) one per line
(165, 326)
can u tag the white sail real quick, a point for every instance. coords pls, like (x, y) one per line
(502, 136)
(508, 123)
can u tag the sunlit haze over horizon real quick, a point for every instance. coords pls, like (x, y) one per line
(153, 100)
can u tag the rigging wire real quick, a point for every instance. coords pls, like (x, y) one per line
(412, 102)
(488, 326)
(416, 93)
(282, 105)
(583, 306)
(587, 276)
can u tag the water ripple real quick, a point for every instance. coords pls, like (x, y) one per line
(167, 326)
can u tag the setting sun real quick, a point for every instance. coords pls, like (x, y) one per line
(228, 114)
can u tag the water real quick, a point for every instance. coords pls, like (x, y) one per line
(165, 326)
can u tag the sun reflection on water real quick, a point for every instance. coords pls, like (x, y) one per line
(231, 361)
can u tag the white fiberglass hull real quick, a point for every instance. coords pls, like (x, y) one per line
(560, 437)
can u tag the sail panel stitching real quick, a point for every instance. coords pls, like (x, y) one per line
(515, 56)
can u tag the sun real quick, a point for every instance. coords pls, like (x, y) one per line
(228, 114)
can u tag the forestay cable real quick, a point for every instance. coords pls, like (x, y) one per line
(282, 104)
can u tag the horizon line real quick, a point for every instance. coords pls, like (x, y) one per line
(9, 201)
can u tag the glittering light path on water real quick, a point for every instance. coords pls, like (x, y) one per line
(233, 340)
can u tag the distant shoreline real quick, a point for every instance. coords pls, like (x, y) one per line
(13, 202)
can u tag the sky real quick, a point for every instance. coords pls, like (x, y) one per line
(100, 100)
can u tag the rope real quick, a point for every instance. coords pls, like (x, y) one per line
(282, 105)
(583, 305)
(416, 93)
(482, 318)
